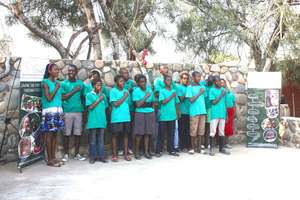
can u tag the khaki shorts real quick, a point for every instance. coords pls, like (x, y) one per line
(197, 125)
(73, 123)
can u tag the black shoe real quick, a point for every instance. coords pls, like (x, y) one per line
(148, 156)
(158, 155)
(173, 153)
(224, 151)
(221, 146)
(92, 161)
(103, 161)
(211, 146)
(138, 157)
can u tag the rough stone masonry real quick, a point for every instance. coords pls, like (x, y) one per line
(234, 75)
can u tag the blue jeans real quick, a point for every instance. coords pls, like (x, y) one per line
(96, 142)
(166, 128)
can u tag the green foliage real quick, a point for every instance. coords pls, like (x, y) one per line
(219, 57)
(290, 69)
(205, 27)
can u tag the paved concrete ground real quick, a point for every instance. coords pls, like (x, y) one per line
(247, 174)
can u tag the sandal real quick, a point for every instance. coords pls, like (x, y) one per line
(53, 164)
(127, 158)
(114, 159)
(59, 161)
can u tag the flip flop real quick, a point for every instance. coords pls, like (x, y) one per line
(114, 159)
(127, 158)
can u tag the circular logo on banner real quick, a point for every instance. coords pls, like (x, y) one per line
(30, 124)
(270, 135)
(270, 123)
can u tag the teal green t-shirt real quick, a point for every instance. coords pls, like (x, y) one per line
(96, 116)
(129, 84)
(74, 103)
(138, 94)
(184, 105)
(230, 99)
(207, 101)
(89, 87)
(121, 113)
(167, 112)
(57, 99)
(198, 106)
(160, 84)
(218, 111)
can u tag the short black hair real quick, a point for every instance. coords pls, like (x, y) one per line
(117, 78)
(217, 78)
(210, 80)
(96, 81)
(74, 66)
(184, 73)
(195, 73)
(167, 76)
(141, 76)
(136, 77)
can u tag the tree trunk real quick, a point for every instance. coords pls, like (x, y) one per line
(116, 46)
(256, 55)
(274, 41)
(87, 7)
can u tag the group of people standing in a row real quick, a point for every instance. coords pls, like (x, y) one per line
(142, 116)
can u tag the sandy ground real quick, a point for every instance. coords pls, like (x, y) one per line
(246, 174)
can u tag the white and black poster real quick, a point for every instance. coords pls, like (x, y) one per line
(263, 109)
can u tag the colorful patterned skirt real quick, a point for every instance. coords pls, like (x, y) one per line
(53, 120)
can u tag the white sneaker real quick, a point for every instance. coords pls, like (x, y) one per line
(120, 153)
(65, 158)
(192, 151)
(79, 157)
(204, 151)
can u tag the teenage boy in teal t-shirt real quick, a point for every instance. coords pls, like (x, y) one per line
(218, 115)
(196, 94)
(72, 92)
(184, 107)
(168, 112)
(209, 83)
(96, 103)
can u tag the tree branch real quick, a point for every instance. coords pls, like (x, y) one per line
(74, 36)
(16, 10)
(80, 47)
(5, 5)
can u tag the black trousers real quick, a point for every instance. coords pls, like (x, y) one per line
(166, 128)
(184, 132)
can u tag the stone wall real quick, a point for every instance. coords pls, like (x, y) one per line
(9, 109)
(235, 77)
(289, 131)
